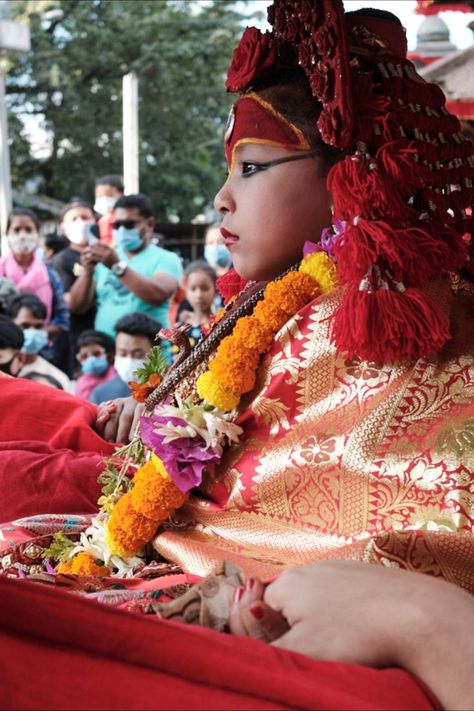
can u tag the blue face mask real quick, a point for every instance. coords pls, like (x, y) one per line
(95, 365)
(217, 255)
(128, 239)
(35, 340)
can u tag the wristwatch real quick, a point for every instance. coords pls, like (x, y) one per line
(119, 268)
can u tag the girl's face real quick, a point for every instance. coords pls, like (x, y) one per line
(22, 235)
(269, 213)
(200, 291)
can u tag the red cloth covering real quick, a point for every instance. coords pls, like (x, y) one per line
(58, 651)
(50, 456)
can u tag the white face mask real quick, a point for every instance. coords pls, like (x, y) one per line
(23, 242)
(104, 204)
(126, 367)
(76, 231)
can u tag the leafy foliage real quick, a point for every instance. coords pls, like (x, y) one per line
(71, 84)
(156, 363)
(60, 547)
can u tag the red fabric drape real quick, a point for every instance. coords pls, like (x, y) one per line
(58, 651)
(50, 456)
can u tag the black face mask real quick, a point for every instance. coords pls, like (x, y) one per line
(5, 367)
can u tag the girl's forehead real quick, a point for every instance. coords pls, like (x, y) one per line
(22, 221)
(199, 276)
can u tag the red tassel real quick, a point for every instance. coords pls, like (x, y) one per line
(230, 284)
(412, 255)
(388, 325)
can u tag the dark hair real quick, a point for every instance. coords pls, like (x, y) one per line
(138, 324)
(35, 375)
(89, 337)
(56, 242)
(23, 212)
(29, 301)
(115, 181)
(75, 202)
(8, 291)
(200, 265)
(11, 335)
(138, 201)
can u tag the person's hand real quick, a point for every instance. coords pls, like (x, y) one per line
(88, 260)
(371, 615)
(116, 420)
(100, 252)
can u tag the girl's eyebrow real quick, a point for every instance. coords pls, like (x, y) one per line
(286, 159)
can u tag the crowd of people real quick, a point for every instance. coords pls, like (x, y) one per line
(82, 306)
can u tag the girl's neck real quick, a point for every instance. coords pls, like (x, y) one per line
(24, 260)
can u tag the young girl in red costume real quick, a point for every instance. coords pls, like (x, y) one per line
(346, 362)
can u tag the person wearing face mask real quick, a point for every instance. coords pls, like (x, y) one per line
(135, 276)
(108, 189)
(135, 337)
(95, 353)
(11, 343)
(77, 224)
(215, 252)
(29, 314)
(30, 274)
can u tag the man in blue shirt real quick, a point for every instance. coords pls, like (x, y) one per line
(134, 276)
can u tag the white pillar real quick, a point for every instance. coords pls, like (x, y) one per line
(130, 133)
(5, 179)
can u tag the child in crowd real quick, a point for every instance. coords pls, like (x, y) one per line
(95, 353)
(29, 313)
(200, 285)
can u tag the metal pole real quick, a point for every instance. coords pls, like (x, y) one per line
(130, 133)
(5, 179)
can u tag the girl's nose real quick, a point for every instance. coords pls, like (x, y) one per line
(223, 202)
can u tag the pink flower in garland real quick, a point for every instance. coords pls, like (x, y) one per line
(184, 458)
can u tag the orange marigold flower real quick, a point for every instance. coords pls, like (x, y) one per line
(253, 334)
(292, 292)
(85, 564)
(153, 496)
(129, 528)
(140, 391)
(270, 315)
(238, 377)
(65, 567)
(232, 350)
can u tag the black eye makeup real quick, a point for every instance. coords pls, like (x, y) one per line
(250, 167)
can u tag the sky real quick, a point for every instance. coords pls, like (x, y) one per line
(457, 22)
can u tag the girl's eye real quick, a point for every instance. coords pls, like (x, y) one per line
(250, 167)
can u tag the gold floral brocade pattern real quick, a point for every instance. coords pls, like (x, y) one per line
(341, 458)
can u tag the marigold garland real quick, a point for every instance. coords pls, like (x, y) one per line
(138, 514)
(232, 372)
(133, 520)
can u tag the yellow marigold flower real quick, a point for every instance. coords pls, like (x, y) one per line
(154, 496)
(210, 389)
(114, 547)
(253, 333)
(322, 269)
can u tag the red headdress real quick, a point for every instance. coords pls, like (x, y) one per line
(404, 190)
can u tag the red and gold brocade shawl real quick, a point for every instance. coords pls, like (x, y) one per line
(344, 458)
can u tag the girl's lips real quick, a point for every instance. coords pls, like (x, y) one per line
(229, 238)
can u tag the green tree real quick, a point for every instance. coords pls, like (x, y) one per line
(70, 84)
